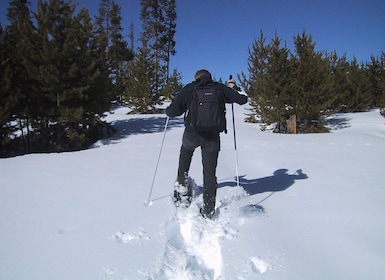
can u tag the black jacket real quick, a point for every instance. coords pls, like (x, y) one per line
(182, 101)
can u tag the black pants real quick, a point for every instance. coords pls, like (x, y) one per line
(210, 146)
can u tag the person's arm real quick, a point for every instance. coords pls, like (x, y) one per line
(179, 105)
(233, 96)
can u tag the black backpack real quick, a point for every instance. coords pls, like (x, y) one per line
(207, 109)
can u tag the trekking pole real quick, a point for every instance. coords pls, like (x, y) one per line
(149, 202)
(235, 146)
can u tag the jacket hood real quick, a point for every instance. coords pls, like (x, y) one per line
(204, 80)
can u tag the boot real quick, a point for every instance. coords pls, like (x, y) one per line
(207, 215)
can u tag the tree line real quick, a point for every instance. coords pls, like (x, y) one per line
(309, 84)
(61, 71)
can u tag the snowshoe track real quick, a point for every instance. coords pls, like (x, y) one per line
(193, 248)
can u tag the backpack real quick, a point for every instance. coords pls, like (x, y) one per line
(207, 109)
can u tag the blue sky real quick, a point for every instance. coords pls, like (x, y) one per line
(216, 34)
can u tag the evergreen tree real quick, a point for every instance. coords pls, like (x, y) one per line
(119, 53)
(86, 107)
(103, 19)
(252, 84)
(100, 45)
(376, 72)
(173, 85)
(170, 20)
(140, 84)
(132, 37)
(118, 49)
(69, 109)
(312, 85)
(269, 83)
(340, 69)
(381, 83)
(158, 25)
(280, 85)
(17, 45)
(153, 29)
(7, 102)
(360, 98)
(55, 26)
(275, 105)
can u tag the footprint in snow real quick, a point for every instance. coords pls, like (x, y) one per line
(259, 265)
(251, 210)
(123, 237)
(193, 249)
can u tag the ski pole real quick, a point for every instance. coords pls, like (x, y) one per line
(235, 141)
(149, 202)
(235, 146)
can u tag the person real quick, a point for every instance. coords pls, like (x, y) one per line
(208, 141)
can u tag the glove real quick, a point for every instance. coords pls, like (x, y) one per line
(231, 83)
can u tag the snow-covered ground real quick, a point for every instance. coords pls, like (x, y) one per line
(309, 206)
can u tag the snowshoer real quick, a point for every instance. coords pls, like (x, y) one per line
(193, 137)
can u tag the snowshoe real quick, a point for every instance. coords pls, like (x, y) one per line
(182, 195)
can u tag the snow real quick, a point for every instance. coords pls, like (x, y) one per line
(309, 206)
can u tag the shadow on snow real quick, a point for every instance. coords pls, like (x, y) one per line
(280, 181)
(337, 122)
(125, 128)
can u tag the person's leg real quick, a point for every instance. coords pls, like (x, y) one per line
(185, 157)
(190, 142)
(182, 188)
(210, 151)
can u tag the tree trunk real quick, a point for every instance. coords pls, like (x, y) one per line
(292, 125)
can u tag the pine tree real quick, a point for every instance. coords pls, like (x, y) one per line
(118, 52)
(55, 27)
(153, 29)
(312, 85)
(340, 69)
(7, 101)
(86, 106)
(276, 83)
(170, 20)
(282, 84)
(158, 25)
(131, 35)
(269, 82)
(98, 99)
(18, 44)
(173, 85)
(71, 70)
(381, 83)
(360, 98)
(257, 67)
(376, 72)
(140, 84)
(100, 45)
